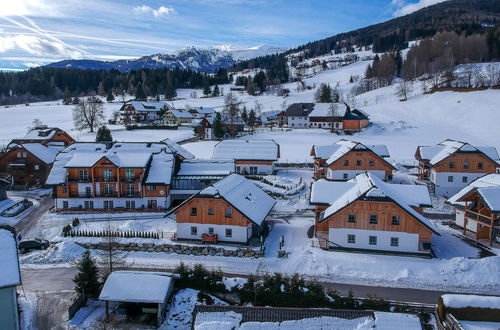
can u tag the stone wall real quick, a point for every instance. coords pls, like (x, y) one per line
(202, 250)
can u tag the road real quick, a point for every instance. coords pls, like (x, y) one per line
(24, 225)
(60, 279)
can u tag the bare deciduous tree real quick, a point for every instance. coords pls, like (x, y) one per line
(403, 89)
(333, 113)
(88, 114)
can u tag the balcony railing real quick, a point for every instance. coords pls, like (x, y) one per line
(80, 194)
(79, 179)
(130, 179)
(131, 194)
(478, 217)
(105, 179)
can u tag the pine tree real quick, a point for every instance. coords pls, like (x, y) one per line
(170, 92)
(110, 98)
(251, 118)
(206, 89)
(326, 94)
(67, 96)
(103, 135)
(216, 91)
(244, 115)
(87, 279)
(139, 93)
(217, 126)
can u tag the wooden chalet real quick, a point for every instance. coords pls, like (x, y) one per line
(366, 213)
(251, 157)
(477, 208)
(345, 159)
(202, 112)
(141, 112)
(46, 136)
(231, 210)
(177, 117)
(98, 177)
(451, 165)
(29, 164)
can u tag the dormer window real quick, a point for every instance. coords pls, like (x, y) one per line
(452, 165)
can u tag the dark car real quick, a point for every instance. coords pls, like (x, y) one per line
(26, 245)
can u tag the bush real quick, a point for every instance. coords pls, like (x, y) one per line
(66, 230)
(199, 278)
(75, 222)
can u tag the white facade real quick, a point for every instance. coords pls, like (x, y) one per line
(298, 122)
(344, 175)
(406, 242)
(448, 184)
(99, 203)
(460, 220)
(254, 169)
(239, 234)
(338, 125)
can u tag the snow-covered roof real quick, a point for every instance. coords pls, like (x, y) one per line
(464, 300)
(324, 110)
(366, 184)
(342, 147)
(247, 150)
(181, 114)
(207, 167)
(443, 150)
(149, 106)
(136, 286)
(325, 151)
(47, 154)
(243, 195)
(488, 180)
(203, 110)
(178, 149)
(120, 159)
(160, 170)
(41, 133)
(325, 192)
(10, 275)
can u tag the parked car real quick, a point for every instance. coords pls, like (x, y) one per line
(26, 245)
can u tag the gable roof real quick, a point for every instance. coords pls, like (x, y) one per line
(488, 188)
(42, 133)
(325, 151)
(180, 114)
(46, 154)
(203, 110)
(436, 154)
(203, 167)
(10, 274)
(247, 150)
(242, 194)
(177, 149)
(366, 185)
(299, 109)
(148, 106)
(342, 147)
(323, 110)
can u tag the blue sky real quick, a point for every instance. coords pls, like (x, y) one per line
(37, 32)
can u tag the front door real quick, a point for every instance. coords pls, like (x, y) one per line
(152, 204)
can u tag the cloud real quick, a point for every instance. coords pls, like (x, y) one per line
(402, 7)
(161, 11)
(36, 45)
(29, 8)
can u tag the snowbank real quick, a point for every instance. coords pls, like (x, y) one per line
(462, 301)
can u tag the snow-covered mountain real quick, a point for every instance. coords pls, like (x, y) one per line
(199, 59)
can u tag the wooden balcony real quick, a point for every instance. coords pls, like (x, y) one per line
(478, 217)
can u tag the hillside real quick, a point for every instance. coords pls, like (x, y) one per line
(461, 16)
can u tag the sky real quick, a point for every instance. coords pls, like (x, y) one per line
(38, 32)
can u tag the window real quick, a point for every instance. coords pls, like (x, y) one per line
(88, 191)
(426, 246)
(351, 239)
(65, 205)
(351, 217)
(345, 176)
(108, 174)
(84, 175)
(372, 240)
(25, 154)
(130, 204)
(151, 188)
(210, 231)
(210, 211)
(464, 179)
(452, 165)
(480, 166)
(346, 163)
(373, 219)
(129, 174)
(37, 167)
(229, 213)
(394, 241)
(130, 189)
(358, 163)
(450, 178)
(88, 205)
(372, 162)
(253, 170)
(194, 231)
(108, 189)
(108, 205)
(466, 165)
(194, 211)
(18, 155)
(238, 169)
(395, 220)
(229, 232)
